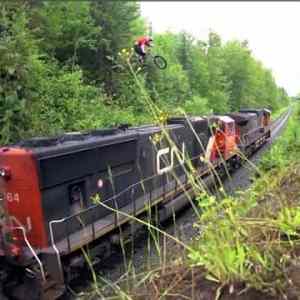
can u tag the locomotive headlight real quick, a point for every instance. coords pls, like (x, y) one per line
(100, 183)
(5, 173)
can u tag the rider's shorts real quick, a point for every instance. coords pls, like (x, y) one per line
(138, 50)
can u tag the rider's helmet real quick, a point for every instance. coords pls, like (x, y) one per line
(149, 40)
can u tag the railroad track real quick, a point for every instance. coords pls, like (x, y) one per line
(279, 123)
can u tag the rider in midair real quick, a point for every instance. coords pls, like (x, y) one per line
(140, 46)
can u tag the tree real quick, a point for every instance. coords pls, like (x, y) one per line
(218, 91)
(118, 22)
(56, 69)
(66, 31)
(19, 68)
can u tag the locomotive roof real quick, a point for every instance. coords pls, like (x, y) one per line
(151, 128)
(225, 119)
(254, 110)
(242, 117)
(250, 109)
(183, 118)
(198, 123)
(76, 141)
(80, 141)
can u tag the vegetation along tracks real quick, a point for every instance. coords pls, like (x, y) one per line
(145, 253)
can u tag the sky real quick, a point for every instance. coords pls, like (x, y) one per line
(272, 29)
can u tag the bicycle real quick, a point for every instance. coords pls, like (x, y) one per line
(135, 60)
(158, 60)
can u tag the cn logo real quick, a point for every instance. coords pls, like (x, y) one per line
(166, 151)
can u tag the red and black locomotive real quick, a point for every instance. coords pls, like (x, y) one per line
(62, 193)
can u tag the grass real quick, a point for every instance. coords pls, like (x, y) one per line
(247, 242)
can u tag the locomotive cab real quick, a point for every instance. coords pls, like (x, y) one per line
(263, 120)
(266, 117)
(222, 143)
(263, 116)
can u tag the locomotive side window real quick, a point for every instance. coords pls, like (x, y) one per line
(221, 126)
(231, 130)
(214, 127)
(77, 197)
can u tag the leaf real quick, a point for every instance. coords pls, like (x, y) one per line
(11, 70)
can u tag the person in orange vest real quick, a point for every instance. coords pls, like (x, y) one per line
(140, 47)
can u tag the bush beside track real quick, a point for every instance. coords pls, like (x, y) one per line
(247, 246)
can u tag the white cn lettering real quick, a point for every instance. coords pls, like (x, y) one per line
(165, 151)
(158, 166)
(180, 159)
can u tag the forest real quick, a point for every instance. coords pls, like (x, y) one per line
(56, 70)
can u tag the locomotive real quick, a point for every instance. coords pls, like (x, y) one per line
(59, 194)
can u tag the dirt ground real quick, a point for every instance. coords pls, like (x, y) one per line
(190, 283)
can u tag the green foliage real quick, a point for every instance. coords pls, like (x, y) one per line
(224, 252)
(289, 220)
(19, 66)
(66, 104)
(196, 106)
(288, 146)
(118, 21)
(254, 239)
(218, 86)
(218, 101)
(57, 70)
(66, 30)
(170, 86)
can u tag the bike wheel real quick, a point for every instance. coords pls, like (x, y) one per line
(160, 62)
